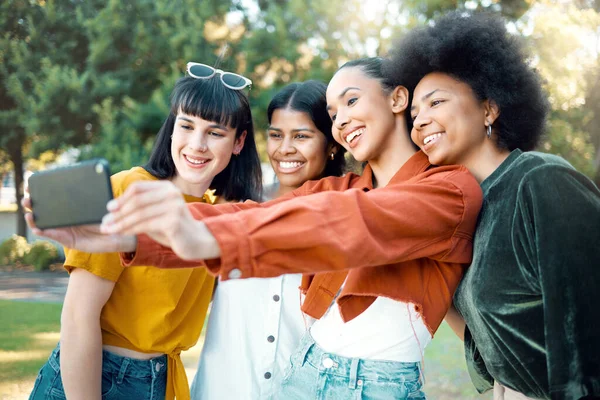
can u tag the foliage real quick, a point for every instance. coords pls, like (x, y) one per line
(41, 255)
(13, 249)
(570, 79)
(97, 74)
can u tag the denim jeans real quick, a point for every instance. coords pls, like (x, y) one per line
(315, 374)
(122, 378)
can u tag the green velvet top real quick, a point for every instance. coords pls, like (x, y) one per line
(530, 296)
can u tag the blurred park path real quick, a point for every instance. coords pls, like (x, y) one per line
(48, 287)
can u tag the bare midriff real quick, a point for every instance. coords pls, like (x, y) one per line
(123, 352)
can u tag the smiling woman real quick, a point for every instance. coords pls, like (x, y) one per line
(134, 323)
(201, 149)
(301, 148)
(300, 144)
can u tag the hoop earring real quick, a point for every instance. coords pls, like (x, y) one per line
(489, 131)
(332, 156)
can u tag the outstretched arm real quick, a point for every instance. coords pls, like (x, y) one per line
(433, 217)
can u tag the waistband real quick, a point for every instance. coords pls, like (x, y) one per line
(121, 366)
(354, 369)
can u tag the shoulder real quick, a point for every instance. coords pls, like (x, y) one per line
(121, 180)
(455, 177)
(336, 183)
(546, 170)
(555, 185)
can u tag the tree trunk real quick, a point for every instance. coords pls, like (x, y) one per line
(16, 156)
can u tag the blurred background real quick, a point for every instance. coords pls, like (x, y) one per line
(89, 78)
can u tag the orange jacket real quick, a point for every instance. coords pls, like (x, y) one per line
(409, 241)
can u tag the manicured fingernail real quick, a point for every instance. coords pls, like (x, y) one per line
(111, 205)
(107, 219)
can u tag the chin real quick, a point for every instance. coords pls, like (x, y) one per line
(360, 156)
(292, 181)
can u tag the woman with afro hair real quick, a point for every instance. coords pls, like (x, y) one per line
(528, 299)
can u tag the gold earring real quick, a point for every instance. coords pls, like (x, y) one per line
(332, 155)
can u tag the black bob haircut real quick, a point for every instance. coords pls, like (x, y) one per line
(210, 100)
(476, 49)
(309, 98)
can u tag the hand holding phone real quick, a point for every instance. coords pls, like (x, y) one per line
(72, 195)
(64, 199)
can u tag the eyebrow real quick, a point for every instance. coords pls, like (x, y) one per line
(343, 93)
(272, 128)
(428, 95)
(213, 126)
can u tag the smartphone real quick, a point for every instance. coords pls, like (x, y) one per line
(73, 195)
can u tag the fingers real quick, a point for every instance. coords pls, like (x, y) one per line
(31, 222)
(145, 192)
(140, 208)
(150, 218)
(26, 203)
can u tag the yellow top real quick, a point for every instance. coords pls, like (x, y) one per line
(151, 310)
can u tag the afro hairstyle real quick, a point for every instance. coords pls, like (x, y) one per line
(476, 49)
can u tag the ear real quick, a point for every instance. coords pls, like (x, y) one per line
(332, 148)
(239, 143)
(492, 111)
(399, 99)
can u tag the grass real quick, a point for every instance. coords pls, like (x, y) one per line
(29, 331)
(446, 375)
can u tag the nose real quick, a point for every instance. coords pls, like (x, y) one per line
(421, 120)
(341, 120)
(199, 141)
(287, 146)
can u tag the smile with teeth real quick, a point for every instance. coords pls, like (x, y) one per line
(196, 160)
(354, 135)
(290, 164)
(431, 138)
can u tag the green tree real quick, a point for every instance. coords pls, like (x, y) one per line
(560, 40)
(42, 103)
(137, 51)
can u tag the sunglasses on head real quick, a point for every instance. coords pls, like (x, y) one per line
(229, 79)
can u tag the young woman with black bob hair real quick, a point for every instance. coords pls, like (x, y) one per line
(122, 330)
(528, 296)
(241, 179)
(300, 147)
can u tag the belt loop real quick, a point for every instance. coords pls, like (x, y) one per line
(308, 343)
(122, 370)
(353, 373)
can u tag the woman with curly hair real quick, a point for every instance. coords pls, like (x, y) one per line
(531, 323)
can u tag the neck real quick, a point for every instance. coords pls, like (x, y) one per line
(396, 152)
(196, 190)
(283, 190)
(485, 160)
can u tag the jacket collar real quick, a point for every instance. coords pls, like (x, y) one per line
(416, 164)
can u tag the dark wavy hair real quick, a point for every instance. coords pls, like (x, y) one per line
(210, 100)
(374, 68)
(476, 49)
(309, 98)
